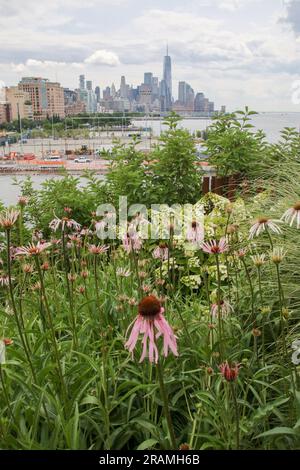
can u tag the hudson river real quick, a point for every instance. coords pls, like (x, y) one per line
(270, 123)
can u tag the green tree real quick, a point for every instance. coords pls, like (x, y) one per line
(233, 146)
(128, 175)
(178, 176)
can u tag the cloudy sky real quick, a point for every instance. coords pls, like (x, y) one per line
(237, 52)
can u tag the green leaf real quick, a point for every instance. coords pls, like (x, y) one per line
(147, 444)
(277, 432)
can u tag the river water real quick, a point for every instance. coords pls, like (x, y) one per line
(270, 123)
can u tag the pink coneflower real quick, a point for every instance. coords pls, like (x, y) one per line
(146, 289)
(261, 225)
(72, 277)
(224, 307)
(152, 324)
(37, 235)
(23, 201)
(86, 232)
(68, 210)
(231, 229)
(36, 286)
(98, 249)
(45, 266)
(7, 341)
(277, 254)
(131, 243)
(161, 252)
(230, 373)
(32, 249)
(214, 247)
(122, 272)
(292, 215)
(259, 259)
(122, 298)
(195, 233)
(13, 252)
(241, 252)
(8, 218)
(84, 274)
(62, 223)
(4, 281)
(27, 268)
(76, 240)
(55, 241)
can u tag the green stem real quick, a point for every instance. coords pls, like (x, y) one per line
(6, 396)
(237, 416)
(219, 306)
(16, 315)
(70, 296)
(281, 303)
(52, 330)
(251, 290)
(165, 400)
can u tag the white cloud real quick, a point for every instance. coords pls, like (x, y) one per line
(103, 57)
(229, 5)
(223, 54)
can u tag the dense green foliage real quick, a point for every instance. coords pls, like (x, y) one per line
(168, 174)
(69, 383)
(233, 146)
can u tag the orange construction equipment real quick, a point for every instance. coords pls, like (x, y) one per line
(29, 156)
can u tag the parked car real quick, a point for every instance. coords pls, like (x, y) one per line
(82, 160)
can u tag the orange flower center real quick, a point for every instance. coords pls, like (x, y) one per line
(263, 220)
(163, 246)
(149, 306)
(297, 206)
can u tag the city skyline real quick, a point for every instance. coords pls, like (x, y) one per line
(39, 98)
(241, 52)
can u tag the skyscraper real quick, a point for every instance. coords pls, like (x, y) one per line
(98, 94)
(155, 87)
(81, 82)
(148, 77)
(113, 91)
(200, 103)
(182, 93)
(167, 79)
(123, 88)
